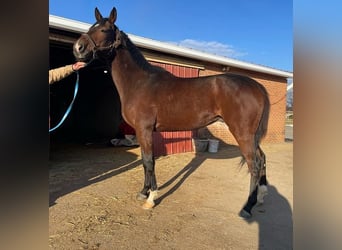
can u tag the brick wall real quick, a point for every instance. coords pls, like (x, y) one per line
(276, 87)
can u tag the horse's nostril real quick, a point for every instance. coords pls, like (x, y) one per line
(79, 47)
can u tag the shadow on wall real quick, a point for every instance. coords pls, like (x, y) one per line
(219, 131)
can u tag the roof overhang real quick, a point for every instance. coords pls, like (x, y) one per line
(81, 27)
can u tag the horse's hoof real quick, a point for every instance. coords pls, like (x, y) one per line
(141, 197)
(148, 205)
(244, 214)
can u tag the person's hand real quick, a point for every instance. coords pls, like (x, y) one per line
(78, 65)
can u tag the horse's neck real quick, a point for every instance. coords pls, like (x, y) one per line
(126, 72)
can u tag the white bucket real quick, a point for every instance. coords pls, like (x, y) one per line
(200, 145)
(213, 145)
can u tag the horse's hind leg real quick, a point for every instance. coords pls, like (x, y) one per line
(258, 182)
(252, 198)
(247, 148)
(262, 189)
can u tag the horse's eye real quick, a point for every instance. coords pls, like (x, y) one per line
(105, 31)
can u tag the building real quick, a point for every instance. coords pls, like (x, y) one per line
(96, 113)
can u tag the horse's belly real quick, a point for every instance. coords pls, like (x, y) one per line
(185, 122)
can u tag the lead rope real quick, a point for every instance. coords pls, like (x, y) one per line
(70, 106)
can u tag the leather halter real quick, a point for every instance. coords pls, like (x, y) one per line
(116, 43)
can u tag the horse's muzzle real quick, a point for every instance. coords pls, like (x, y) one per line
(80, 51)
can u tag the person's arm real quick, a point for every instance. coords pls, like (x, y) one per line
(62, 72)
(59, 73)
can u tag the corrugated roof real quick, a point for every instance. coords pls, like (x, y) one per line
(81, 27)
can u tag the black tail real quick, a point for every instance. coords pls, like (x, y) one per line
(263, 123)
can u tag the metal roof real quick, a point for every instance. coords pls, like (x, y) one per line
(81, 27)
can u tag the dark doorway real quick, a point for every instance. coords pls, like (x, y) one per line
(96, 112)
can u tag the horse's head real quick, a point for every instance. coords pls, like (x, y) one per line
(102, 38)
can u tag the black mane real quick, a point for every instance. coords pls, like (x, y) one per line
(138, 56)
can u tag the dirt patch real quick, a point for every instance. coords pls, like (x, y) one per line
(93, 205)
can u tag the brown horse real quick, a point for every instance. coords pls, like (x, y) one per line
(153, 99)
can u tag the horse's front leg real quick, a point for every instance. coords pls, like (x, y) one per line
(150, 183)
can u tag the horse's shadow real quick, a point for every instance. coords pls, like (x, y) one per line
(230, 151)
(74, 166)
(274, 218)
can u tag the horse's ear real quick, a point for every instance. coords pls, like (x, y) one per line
(113, 15)
(98, 15)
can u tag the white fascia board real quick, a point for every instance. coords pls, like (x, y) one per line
(81, 27)
(68, 24)
(199, 55)
(289, 87)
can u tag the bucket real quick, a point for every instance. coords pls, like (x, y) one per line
(200, 145)
(213, 145)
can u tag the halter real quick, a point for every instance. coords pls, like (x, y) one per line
(116, 43)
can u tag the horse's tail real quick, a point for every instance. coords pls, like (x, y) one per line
(263, 123)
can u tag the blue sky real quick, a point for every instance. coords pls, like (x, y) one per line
(256, 31)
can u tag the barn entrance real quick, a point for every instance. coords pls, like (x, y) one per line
(96, 112)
